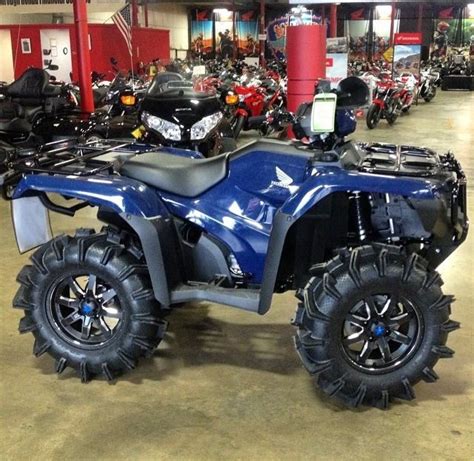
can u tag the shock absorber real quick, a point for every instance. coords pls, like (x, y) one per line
(359, 215)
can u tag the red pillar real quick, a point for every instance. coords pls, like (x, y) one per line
(306, 58)
(82, 37)
(333, 21)
(262, 31)
(392, 23)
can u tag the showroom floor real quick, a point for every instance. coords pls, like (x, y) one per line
(227, 384)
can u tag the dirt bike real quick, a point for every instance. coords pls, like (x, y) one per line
(356, 229)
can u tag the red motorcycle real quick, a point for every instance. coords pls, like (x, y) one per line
(386, 103)
(251, 104)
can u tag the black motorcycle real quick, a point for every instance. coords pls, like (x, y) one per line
(174, 114)
(26, 103)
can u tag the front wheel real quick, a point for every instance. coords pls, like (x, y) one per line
(431, 94)
(372, 323)
(89, 303)
(238, 125)
(373, 116)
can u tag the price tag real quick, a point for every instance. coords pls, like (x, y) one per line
(323, 114)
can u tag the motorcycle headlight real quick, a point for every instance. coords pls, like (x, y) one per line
(168, 130)
(200, 129)
(231, 99)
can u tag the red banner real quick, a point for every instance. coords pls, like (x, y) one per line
(408, 38)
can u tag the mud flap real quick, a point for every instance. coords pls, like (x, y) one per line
(30, 223)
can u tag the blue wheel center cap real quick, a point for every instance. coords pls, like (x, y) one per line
(379, 330)
(87, 308)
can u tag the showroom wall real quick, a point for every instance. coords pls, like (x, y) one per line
(172, 17)
(106, 42)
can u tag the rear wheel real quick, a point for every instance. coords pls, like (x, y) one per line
(89, 303)
(372, 323)
(373, 116)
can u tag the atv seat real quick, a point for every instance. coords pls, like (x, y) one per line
(178, 175)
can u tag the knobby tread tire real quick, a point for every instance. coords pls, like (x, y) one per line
(328, 297)
(115, 257)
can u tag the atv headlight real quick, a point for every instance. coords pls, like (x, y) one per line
(167, 129)
(200, 129)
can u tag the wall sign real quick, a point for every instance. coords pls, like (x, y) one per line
(25, 46)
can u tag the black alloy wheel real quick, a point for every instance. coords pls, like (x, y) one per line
(381, 332)
(372, 322)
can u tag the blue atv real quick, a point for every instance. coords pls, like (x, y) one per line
(357, 230)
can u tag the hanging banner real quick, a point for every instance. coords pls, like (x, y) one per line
(201, 33)
(224, 33)
(276, 34)
(337, 55)
(247, 34)
(406, 53)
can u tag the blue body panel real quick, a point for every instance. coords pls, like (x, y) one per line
(121, 194)
(239, 211)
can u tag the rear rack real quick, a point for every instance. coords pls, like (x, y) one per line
(68, 157)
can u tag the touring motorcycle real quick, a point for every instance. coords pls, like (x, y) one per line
(356, 229)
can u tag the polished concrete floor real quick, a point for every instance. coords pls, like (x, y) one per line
(227, 384)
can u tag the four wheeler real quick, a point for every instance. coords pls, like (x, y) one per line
(356, 229)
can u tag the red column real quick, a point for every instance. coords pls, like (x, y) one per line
(333, 21)
(82, 37)
(262, 31)
(306, 58)
(392, 23)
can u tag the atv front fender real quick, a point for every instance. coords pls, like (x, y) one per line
(120, 194)
(337, 180)
(312, 191)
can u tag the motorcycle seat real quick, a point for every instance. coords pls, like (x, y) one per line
(182, 176)
(10, 110)
(33, 84)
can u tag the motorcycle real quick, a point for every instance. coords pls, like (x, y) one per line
(249, 104)
(343, 224)
(174, 114)
(386, 103)
(408, 85)
(427, 85)
(27, 103)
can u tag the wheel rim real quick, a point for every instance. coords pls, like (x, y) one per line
(381, 333)
(85, 310)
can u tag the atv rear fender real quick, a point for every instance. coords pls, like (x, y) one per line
(138, 205)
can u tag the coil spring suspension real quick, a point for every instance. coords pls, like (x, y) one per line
(360, 220)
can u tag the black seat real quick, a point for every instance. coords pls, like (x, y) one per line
(32, 84)
(178, 175)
